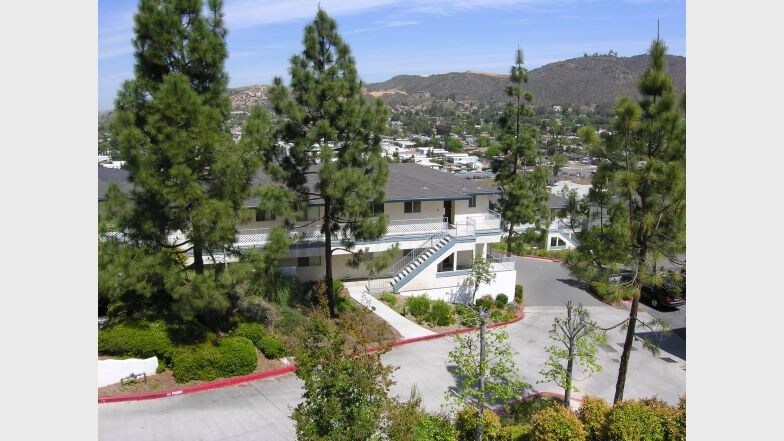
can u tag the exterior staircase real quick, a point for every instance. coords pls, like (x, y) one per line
(413, 263)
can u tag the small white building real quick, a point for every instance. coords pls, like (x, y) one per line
(113, 164)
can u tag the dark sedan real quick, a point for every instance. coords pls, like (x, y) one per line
(668, 295)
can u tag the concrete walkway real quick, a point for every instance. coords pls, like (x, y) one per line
(406, 328)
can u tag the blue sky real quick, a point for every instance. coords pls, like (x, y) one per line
(411, 36)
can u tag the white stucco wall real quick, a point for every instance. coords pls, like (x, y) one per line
(112, 371)
(456, 289)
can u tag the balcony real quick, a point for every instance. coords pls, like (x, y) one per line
(249, 238)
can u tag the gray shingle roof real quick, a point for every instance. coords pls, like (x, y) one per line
(407, 182)
(108, 176)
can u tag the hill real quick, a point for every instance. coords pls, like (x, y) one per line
(579, 81)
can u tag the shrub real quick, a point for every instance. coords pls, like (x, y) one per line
(389, 298)
(337, 287)
(501, 300)
(290, 320)
(521, 412)
(434, 428)
(466, 315)
(136, 340)
(441, 313)
(556, 424)
(593, 414)
(255, 332)
(418, 306)
(467, 420)
(273, 347)
(232, 356)
(485, 302)
(513, 307)
(518, 294)
(344, 304)
(258, 309)
(516, 432)
(669, 418)
(634, 420)
(497, 315)
(237, 356)
(509, 316)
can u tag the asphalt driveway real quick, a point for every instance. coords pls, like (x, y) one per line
(550, 284)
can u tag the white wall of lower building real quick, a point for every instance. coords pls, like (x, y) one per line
(456, 289)
(112, 371)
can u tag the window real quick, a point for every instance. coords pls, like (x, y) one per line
(412, 207)
(556, 242)
(262, 216)
(309, 261)
(472, 202)
(377, 208)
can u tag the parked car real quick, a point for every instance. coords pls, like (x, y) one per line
(668, 294)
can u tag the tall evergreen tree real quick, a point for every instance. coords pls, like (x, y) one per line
(189, 177)
(641, 182)
(335, 136)
(524, 192)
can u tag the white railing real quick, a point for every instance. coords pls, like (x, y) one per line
(487, 221)
(415, 226)
(501, 262)
(380, 284)
(414, 254)
(463, 229)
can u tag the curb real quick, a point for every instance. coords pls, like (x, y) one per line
(284, 370)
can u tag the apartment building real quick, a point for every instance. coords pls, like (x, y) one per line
(440, 221)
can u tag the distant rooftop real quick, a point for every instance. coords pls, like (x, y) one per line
(407, 182)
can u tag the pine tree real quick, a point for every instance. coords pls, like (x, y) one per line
(524, 193)
(640, 187)
(189, 177)
(335, 136)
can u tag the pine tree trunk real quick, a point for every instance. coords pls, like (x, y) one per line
(627, 349)
(198, 258)
(509, 239)
(328, 258)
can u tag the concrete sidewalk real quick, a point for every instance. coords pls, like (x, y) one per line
(404, 326)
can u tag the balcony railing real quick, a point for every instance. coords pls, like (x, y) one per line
(487, 221)
(501, 262)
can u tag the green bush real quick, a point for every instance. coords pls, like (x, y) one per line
(485, 302)
(232, 356)
(513, 307)
(556, 424)
(237, 356)
(467, 420)
(418, 306)
(441, 313)
(434, 428)
(273, 347)
(497, 315)
(389, 298)
(518, 294)
(593, 414)
(466, 316)
(501, 300)
(516, 432)
(670, 419)
(136, 340)
(634, 420)
(255, 332)
(521, 412)
(290, 320)
(337, 287)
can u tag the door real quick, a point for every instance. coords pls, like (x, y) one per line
(448, 214)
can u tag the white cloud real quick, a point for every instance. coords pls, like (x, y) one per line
(384, 25)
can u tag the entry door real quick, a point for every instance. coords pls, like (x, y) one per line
(448, 214)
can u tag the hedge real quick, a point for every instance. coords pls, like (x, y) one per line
(255, 332)
(441, 313)
(418, 306)
(556, 423)
(467, 420)
(136, 340)
(516, 432)
(501, 300)
(232, 356)
(273, 347)
(593, 414)
(634, 420)
(518, 294)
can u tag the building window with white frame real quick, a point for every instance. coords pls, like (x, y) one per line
(472, 202)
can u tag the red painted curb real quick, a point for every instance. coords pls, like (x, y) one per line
(201, 387)
(281, 371)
